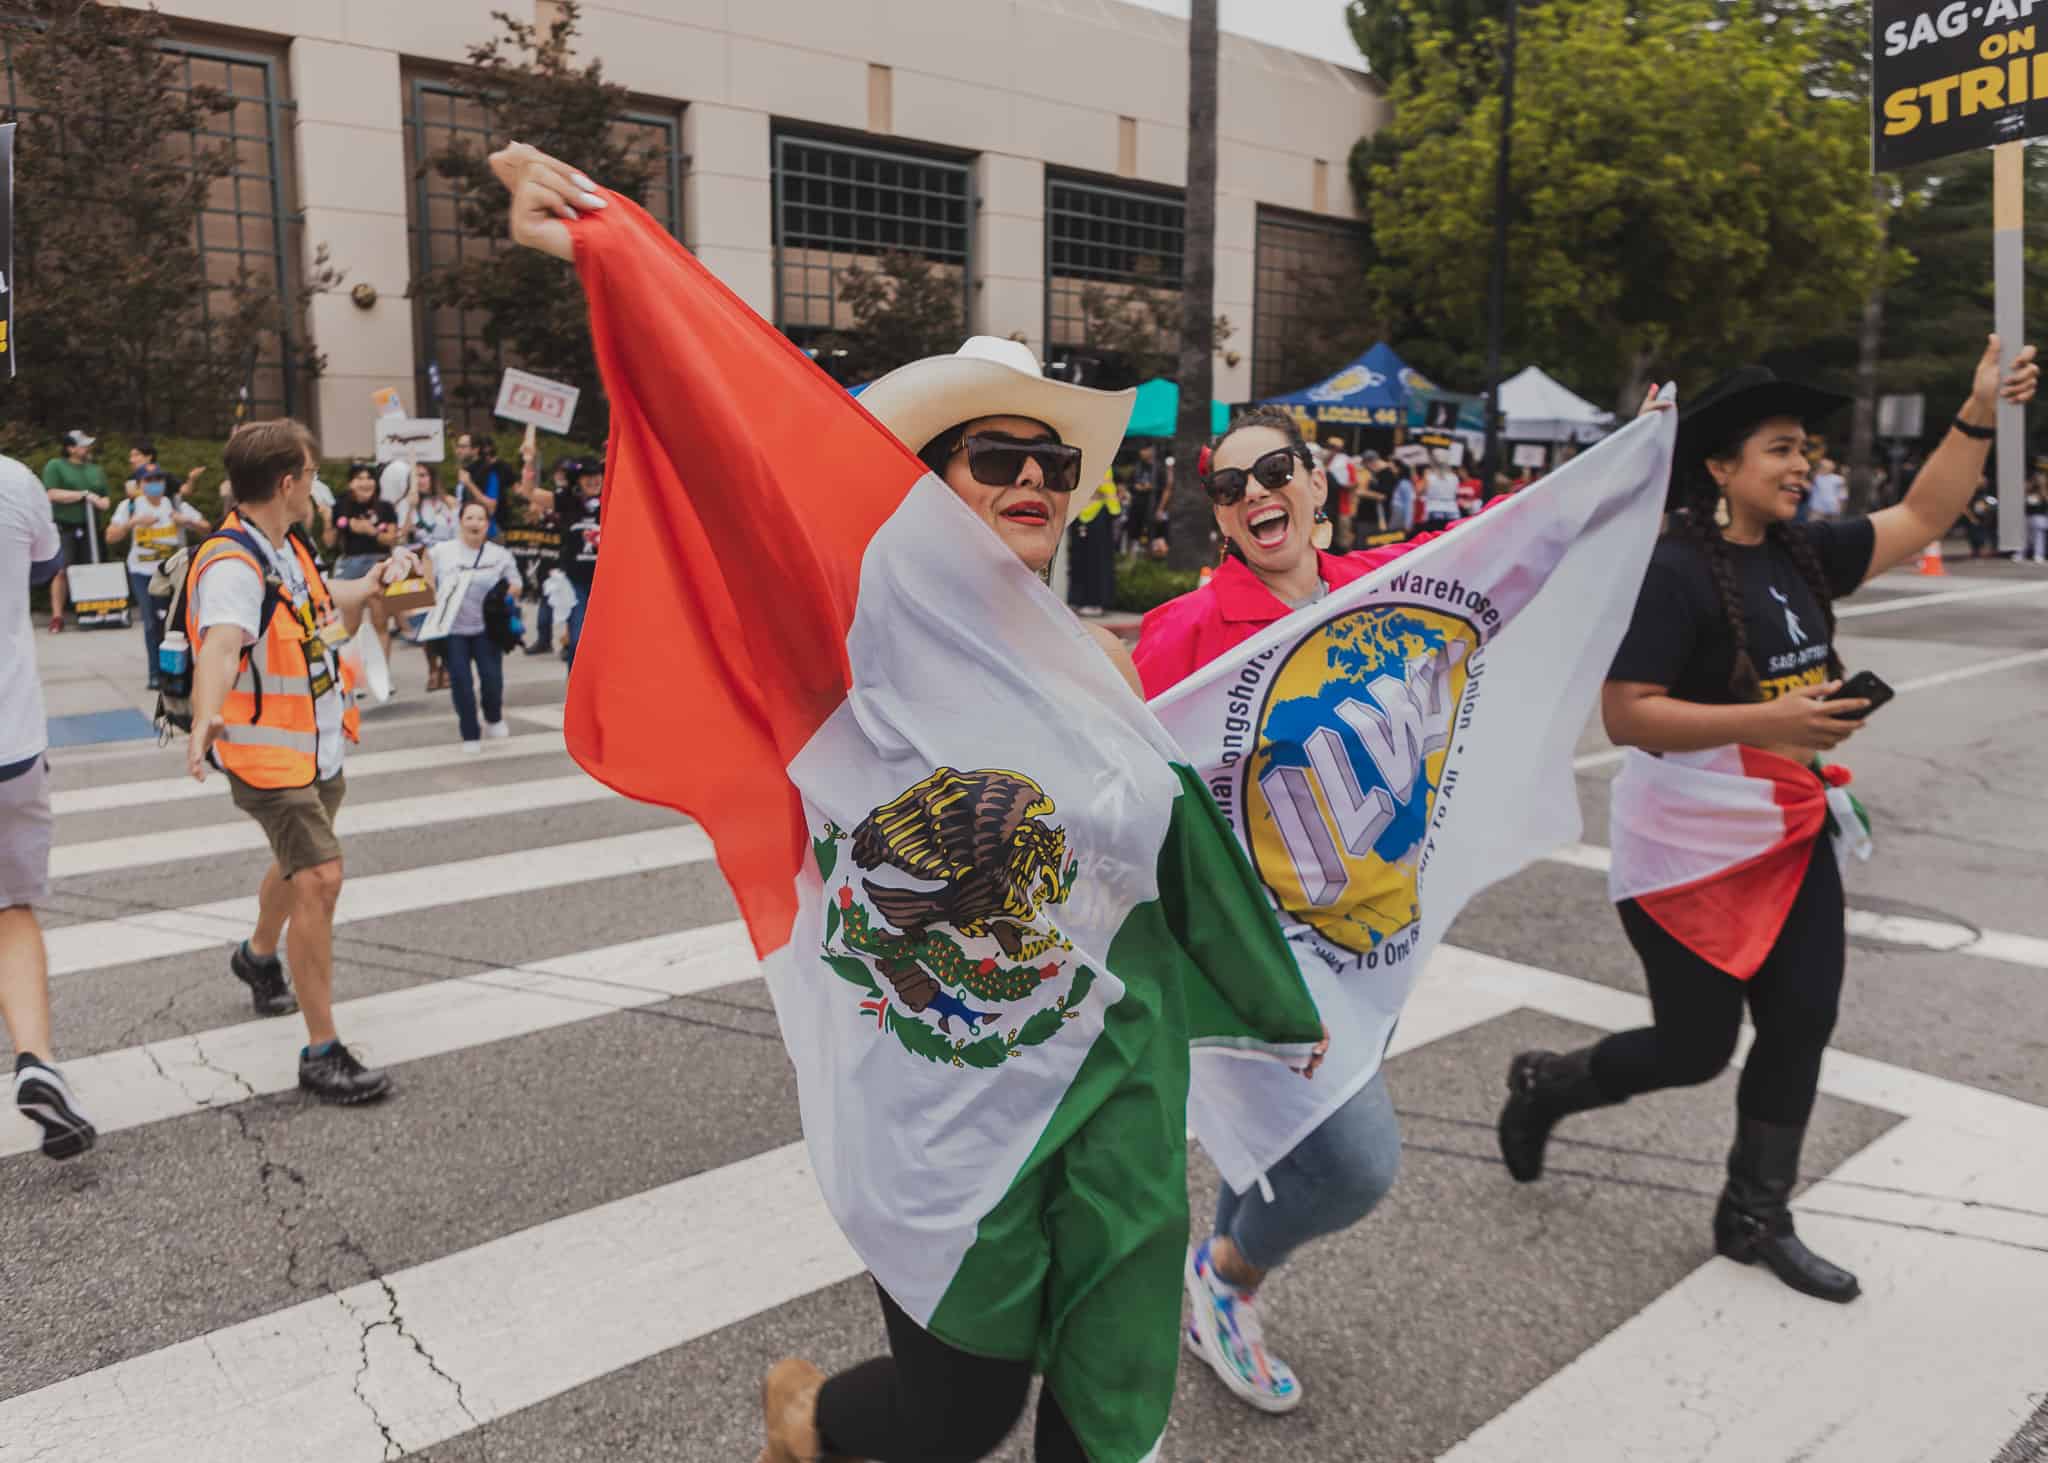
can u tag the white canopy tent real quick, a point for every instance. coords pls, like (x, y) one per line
(1538, 409)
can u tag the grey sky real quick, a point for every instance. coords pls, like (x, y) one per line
(1314, 26)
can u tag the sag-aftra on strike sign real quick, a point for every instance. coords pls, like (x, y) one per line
(1952, 77)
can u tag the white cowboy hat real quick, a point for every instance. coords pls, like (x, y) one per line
(992, 377)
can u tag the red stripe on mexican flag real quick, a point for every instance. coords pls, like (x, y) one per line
(993, 910)
(1713, 846)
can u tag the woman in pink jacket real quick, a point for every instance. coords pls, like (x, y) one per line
(1268, 497)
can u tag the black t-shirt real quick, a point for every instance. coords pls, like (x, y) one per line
(356, 524)
(579, 541)
(1679, 637)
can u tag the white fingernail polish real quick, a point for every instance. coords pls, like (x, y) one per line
(591, 200)
(581, 181)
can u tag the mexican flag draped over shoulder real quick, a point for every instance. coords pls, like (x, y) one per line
(980, 886)
(1408, 741)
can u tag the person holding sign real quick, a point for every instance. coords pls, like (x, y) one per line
(361, 531)
(156, 520)
(467, 571)
(72, 482)
(1728, 689)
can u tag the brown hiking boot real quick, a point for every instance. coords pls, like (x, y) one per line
(789, 1407)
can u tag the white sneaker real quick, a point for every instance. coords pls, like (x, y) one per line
(472, 746)
(496, 729)
(1224, 1331)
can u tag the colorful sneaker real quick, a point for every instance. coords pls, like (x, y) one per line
(1224, 1332)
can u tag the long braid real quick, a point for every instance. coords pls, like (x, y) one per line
(1795, 542)
(1742, 676)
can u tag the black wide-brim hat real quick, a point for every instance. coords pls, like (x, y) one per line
(1742, 399)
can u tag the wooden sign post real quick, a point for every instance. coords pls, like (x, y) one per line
(2008, 212)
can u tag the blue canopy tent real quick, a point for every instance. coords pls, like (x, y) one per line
(1370, 392)
(1156, 413)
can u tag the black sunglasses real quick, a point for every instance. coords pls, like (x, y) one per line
(1274, 471)
(997, 462)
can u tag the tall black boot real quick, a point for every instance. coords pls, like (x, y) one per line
(1754, 1219)
(1543, 1087)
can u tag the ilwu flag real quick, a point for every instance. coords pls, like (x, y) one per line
(992, 911)
(1408, 741)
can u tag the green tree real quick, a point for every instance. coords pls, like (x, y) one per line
(1388, 31)
(1684, 197)
(904, 309)
(113, 304)
(528, 84)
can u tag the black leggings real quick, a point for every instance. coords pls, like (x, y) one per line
(933, 1403)
(1792, 999)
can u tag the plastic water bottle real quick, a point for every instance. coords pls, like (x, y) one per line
(174, 655)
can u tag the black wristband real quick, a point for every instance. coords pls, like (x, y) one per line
(1981, 434)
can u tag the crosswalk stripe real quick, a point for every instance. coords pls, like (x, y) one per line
(610, 1286)
(101, 943)
(137, 1085)
(150, 791)
(177, 845)
(1891, 929)
(1953, 596)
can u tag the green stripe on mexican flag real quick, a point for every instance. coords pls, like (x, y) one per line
(993, 908)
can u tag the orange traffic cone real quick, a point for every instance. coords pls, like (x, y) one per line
(1930, 560)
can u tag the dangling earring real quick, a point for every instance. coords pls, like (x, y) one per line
(1323, 531)
(1721, 515)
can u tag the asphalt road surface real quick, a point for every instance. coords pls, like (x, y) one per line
(583, 1226)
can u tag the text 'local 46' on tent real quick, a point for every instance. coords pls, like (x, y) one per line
(1370, 392)
(1156, 412)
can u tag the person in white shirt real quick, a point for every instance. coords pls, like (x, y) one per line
(282, 751)
(30, 553)
(154, 522)
(1439, 495)
(472, 566)
(1827, 495)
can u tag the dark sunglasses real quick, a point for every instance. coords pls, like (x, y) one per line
(1274, 471)
(997, 462)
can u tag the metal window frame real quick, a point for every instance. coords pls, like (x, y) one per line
(281, 219)
(780, 174)
(1120, 191)
(421, 234)
(1266, 331)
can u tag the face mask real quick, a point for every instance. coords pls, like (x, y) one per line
(154, 490)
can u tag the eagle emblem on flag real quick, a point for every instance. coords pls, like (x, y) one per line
(981, 838)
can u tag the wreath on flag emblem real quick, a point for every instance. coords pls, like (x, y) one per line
(964, 974)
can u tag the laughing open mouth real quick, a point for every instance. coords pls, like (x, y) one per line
(1268, 525)
(1030, 515)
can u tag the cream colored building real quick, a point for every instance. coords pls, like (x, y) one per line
(1027, 146)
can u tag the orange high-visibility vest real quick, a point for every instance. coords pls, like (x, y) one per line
(272, 738)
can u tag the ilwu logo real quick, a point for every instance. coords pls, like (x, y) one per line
(1351, 747)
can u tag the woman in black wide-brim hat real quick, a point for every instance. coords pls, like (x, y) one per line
(1728, 884)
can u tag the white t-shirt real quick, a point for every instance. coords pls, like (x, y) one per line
(229, 592)
(28, 536)
(1440, 494)
(495, 563)
(157, 530)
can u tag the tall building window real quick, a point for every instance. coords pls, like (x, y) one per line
(840, 205)
(1309, 304)
(1113, 278)
(247, 224)
(437, 116)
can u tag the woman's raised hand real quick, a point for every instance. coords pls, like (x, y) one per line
(545, 191)
(1989, 387)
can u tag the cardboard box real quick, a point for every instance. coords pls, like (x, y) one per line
(408, 595)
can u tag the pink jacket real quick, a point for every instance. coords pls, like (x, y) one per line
(1185, 634)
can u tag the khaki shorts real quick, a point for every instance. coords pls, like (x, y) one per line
(25, 837)
(298, 821)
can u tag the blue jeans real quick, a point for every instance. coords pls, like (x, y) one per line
(576, 623)
(544, 624)
(462, 652)
(152, 611)
(1332, 1179)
